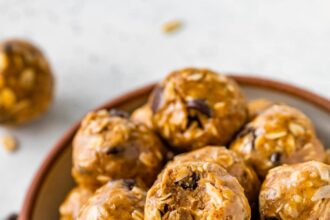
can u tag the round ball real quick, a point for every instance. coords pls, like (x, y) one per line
(279, 135)
(26, 82)
(229, 160)
(73, 202)
(196, 190)
(143, 115)
(300, 191)
(257, 106)
(193, 108)
(110, 146)
(119, 199)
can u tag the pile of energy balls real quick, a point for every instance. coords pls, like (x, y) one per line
(198, 150)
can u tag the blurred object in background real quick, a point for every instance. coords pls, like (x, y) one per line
(172, 26)
(9, 142)
(26, 82)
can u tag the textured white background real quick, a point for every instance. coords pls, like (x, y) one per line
(101, 48)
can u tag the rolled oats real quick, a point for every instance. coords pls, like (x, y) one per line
(280, 134)
(196, 194)
(300, 194)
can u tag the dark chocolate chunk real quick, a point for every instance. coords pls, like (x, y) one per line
(189, 182)
(200, 105)
(248, 131)
(118, 113)
(271, 218)
(130, 183)
(115, 150)
(192, 119)
(165, 209)
(156, 98)
(245, 131)
(275, 157)
(8, 48)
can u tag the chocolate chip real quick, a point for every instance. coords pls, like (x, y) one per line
(271, 218)
(130, 183)
(248, 131)
(275, 158)
(192, 119)
(8, 48)
(199, 105)
(118, 113)
(115, 150)
(245, 131)
(165, 209)
(190, 182)
(13, 216)
(156, 98)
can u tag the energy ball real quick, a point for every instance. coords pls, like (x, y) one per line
(196, 190)
(279, 135)
(110, 146)
(257, 106)
(192, 108)
(327, 156)
(143, 115)
(119, 199)
(300, 191)
(229, 160)
(73, 202)
(26, 82)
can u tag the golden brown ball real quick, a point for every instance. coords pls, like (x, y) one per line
(192, 108)
(26, 82)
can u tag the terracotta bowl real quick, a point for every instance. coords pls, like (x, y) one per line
(53, 180)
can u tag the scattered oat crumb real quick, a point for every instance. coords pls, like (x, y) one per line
(172, 26)
(9, 143)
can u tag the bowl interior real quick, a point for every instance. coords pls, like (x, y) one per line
(58, 180)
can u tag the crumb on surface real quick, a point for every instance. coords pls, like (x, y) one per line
(171, 26)
(9, 142)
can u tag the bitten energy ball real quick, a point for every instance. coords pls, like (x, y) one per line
(300, 191)
(26, 82)
(143, 115)
(196, 107)
(279, 135)
(110, 146)
(196, 190)
(229, 160)
(72, 204)
(119, 199)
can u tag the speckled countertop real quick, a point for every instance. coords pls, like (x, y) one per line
(99, 49)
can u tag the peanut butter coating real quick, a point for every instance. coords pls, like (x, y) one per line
(73, 202)
(279, 135)
(119, 199)
(229, 160)
(257, 106)
(193, 108)
(196, 190)
(299, 191)
(110, 146)
(143, 115)
(26, 82)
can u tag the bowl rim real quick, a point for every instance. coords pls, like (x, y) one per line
(55, 152)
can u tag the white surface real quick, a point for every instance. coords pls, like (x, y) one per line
(99, 49)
